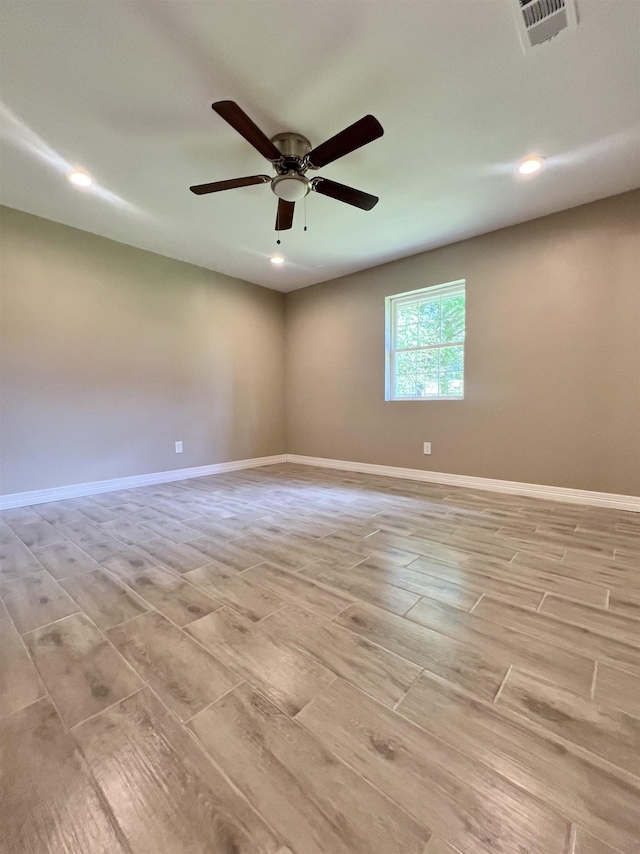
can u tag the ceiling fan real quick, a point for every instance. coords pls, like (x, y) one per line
(291, 156)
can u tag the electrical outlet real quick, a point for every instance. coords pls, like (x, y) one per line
(426, 448)
(178, 447)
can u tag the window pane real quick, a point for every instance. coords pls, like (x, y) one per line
(428, 333)
(453, 318)
(429, 327)
(451, 385)
(405, 363)
(427, 385)
(429, 311)
(406, 386)
(407, 336)
(427, 362)
(451, 359)
(407, 313)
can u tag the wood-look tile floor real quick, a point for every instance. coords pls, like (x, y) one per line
(297, 661)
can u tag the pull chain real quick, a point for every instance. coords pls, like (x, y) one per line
(305, 213)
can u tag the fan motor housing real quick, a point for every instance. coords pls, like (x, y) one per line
(290, 183)
(292, 145)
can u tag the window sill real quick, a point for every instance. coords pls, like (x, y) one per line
(418, 399)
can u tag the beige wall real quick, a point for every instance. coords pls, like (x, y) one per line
(552, 357)
(109, 354)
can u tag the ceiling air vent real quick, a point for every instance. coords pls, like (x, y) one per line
(541, 20)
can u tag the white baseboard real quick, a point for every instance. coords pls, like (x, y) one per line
(533, 490)
(78, 490)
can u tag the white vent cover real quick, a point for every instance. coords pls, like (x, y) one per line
(541, 20)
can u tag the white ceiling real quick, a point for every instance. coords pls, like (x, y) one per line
(124, 89)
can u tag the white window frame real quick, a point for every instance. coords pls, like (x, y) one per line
(390, 305)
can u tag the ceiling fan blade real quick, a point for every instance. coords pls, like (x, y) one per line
(342, 193)
(240, 121)
(216, 186)
(355, 136)
(284, 217)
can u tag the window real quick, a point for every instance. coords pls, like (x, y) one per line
(425, 344)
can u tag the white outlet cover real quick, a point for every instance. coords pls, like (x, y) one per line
(178, 447)
(426, 448)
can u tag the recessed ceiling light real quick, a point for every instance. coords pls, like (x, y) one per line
(530, 165)
(80, 178)
(276, 259)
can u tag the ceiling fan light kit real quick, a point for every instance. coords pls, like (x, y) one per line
(291, 186)
(291, 156)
